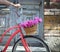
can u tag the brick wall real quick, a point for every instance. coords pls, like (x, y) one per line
(52, 28)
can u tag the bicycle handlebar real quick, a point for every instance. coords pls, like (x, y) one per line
(16, 10)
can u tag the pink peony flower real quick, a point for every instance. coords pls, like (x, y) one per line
(36, 18)
(40, 20)
(35, 22)
(31, 22)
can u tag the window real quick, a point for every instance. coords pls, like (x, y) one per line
(2, 22)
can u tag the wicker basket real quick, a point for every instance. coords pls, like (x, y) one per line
(31, 30)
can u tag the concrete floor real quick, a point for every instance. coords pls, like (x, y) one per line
(53, 43)
(20, 48)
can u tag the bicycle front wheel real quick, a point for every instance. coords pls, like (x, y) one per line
(35, 45)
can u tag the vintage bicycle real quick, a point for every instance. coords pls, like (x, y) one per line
(30, 43)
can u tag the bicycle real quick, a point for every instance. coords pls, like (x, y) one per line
(24, 41)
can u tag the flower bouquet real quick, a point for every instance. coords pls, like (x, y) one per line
(30, 26)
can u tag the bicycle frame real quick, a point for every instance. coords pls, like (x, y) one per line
(12, 36)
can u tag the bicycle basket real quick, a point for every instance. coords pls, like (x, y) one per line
(31, 30)
(30, 26)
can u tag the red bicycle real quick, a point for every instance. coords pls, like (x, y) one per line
(28, 43)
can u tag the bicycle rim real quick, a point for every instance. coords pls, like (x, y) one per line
(35, 45)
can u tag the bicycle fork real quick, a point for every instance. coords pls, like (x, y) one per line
(25, 44)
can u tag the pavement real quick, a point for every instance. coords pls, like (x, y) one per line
(20, 48)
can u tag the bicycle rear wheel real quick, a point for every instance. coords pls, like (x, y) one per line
(35, 44)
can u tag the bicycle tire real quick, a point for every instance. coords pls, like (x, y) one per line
(35, 38)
